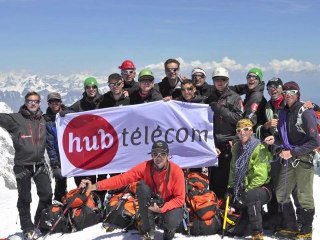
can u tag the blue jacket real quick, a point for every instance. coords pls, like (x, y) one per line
(52, 139)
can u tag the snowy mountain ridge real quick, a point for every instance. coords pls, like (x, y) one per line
(15, 85)
(6, 153)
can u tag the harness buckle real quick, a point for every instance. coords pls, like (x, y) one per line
(295, 163)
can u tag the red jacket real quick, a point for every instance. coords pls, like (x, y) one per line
(171, 189)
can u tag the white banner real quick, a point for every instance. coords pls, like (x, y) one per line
(116, 139)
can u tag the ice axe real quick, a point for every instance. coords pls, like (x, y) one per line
(225, 216)
(78, 193)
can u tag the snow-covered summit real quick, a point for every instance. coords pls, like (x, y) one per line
(14, 86)
(6, 154)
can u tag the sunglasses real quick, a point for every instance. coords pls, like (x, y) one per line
(189, 89)
(252, 76)
(117, 84)
(172, 70)
(157, 154)
(28, 101)
(246, 129)
(273, 87)
(127, 72)
(146, 81)
(290, 92)
(220, 78)
(54, 101)
(195, 76)
(91, 87)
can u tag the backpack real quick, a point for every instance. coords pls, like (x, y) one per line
(80, 200)
(122, 209)
(84, 209)
(196, 182)
(202, 205)
(49, 216)
(204, 227)
(299, 119)
(317, 113)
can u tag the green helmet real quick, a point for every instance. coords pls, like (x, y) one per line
(90, 81)
(145, 74)
(258, 72)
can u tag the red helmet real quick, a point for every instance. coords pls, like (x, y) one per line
(127, 64)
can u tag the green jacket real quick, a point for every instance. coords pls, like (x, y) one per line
(258, 173)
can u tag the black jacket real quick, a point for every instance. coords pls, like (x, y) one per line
(52, 139)
(270, 113)
(205, 90)
(254, 103)
(153, 96)
(109, 101)
(130, 86)
(166, 90)
(28, 134)
(86, 103)
(228, 109)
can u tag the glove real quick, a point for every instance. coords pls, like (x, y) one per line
(229, 194)
(213, 105)
(62, 113)
(56, 171)
(241, 202)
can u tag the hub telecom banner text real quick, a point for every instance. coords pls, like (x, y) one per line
(116, 139)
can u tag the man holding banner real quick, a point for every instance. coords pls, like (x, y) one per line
(159, 179)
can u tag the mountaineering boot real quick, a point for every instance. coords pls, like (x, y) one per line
(306, 224)
(168, 234)
(148, 236)
(257, 236)
(289, 228)
(31, 234)
(285, 234)
(307, 236)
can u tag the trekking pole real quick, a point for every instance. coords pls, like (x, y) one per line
(79, 192)
(225, 216)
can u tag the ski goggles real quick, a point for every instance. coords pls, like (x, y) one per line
(246, 129)
(273, 87)
(290, 92)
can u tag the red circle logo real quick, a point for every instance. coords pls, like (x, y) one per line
(90, 142)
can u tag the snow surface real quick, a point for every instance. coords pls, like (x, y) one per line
(9, 220)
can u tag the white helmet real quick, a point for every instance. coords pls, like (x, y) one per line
(198, 70)
(220, 72)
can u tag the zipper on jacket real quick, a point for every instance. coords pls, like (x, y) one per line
(31, 133)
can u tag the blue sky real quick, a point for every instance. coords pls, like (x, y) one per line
(42, 36)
